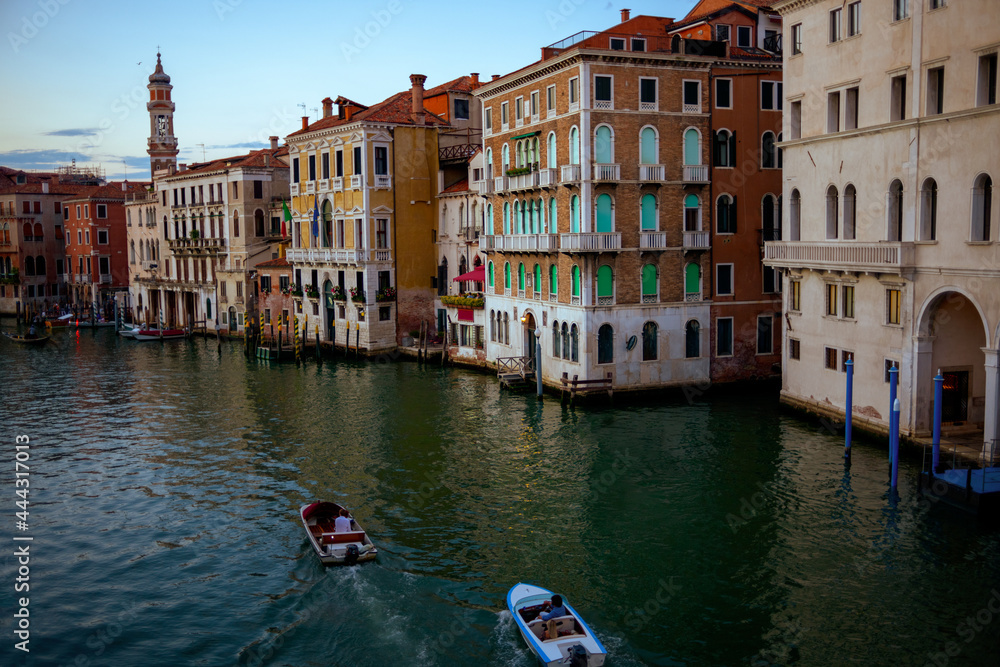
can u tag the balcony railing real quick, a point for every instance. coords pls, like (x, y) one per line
(105, 278)
(524, 181)
(149, 264)
(294, 189)
(570, 172)
(886, 257)
(383, 181)
(691, 108)
(696, 240)
(485, 187)
(696, 173)
(607, 172)
(500, 183)
(547, 177)
(519, 242)
(337, 184)
(310, 187)
(193, 246)
(651, 172)
(653, 240)
(327, 255)
(591, 242)
(382, 255)
(324, 185)
(357, 182)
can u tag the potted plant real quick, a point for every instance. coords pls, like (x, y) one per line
(337, 293)
(195, 234)
(357, 295)
(387, 294)
(312, 292)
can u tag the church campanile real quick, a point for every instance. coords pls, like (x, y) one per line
(162, 142)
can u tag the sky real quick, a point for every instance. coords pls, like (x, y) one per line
(75, 72)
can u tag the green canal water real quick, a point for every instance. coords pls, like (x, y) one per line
(712, 529)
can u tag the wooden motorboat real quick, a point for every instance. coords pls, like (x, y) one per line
(129, 331)
(333, 548)
(158, 334)
(565, 640)
(24, 340)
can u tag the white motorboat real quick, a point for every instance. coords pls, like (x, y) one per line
(565, 640)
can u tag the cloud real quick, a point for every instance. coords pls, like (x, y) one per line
(77, 132)
(245, 144)
(43, 159)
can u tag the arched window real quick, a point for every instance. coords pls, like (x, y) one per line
(603, 211)
(208, 308)
(518, 220)
(770, 219)
(725, 215)
(236, 224)
(832, 212)
(692, 340)
(767, 160)
(40, 266)
(574, 214)
(131, 252)
(692, 281)
(258, 220)
(565, 341)
(649, 291)
(506, 217)
(39, 232)
(490, 276)
(606, 344)
(520, 276)
(506, 329)
(982, 208)
(779, 151)
(489, 163)
(519, 154)
(128, 217)
(505, 152)
(552, 158)
(647, 213)
(327, 231)
(850, 212)
(649, 343)
(692, 151)
(574, 146)
(574, 343)
(692, 214)
(603, 153)
(575, 281)
(553, 227)
(506, 275)
(895, 210)
(539, 216)
(724, 151)
(29, 266)
(555, 340)
(489, 219)
(647, 146)
(553, 280)
(794, 211)
(535, 153)
(928, 210)
(26, 231)
(538, 279)
(605, 286)
(493, 322)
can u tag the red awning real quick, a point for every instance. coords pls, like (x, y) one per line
(477, 274)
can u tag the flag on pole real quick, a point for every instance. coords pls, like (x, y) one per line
(286, 216)
(315, 227)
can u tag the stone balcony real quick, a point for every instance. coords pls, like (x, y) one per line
(199, 246)
(697, 240)
(881, 257)
(696, 173)
(591, 242)
(328, 255)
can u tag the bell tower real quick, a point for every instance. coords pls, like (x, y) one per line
(162, 142)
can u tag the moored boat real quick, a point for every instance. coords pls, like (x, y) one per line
(24, 340)
(157, 334)
(332, 547)
(563, 640)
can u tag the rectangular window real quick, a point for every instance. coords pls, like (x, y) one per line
(518, 109)
(236, 192)
(835, 25)
(847, 300)
(102, 211)
(617, 44)
(79, 237)
(647, 94)
(488, 122)
(265, 284)
(324, 171)
(104, 265)
(381, 233)
(58, 207)
(357, 160)
(38, 207)
(724, 337)
(382, 160)
(854, 19)
(692, 96)
(550, 99)
(845, 356)
(462, 109)
(534, 105)
(312, 167)
(722, 32)
(638, 44)
(892, 306)
(794, 296)
(765, 334)
(937, 4)
(833, 112)
(723, 93)
(295, 175)
(26, 208)
(796, 39)
(772, 280)
(794, 348)
(86, 237)
(86, 208)
(897, 103)
(574, 90)
(384, 313)
(831, 357)
(935, 91)
(282, 282)
(102, 237)
(770, 95)
(987, 88)
(258, 186)
(795, 122)
(504, 120)
(831, 299)
(724, 279)
(602, 92)
(744, 36)
(900, 9)
(851, 112)
(296, 178)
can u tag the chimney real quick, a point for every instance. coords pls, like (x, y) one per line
(625, 15)
(45, 187)
(417, 93)
(274, 143)
(475, 79)
(495, 77)
(183, 166)
(267, 159)
(305, 122)
(327, 107)
(124, 186)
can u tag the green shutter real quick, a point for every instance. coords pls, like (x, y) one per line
(605, 281)
(553, 280)
(602, 145)
(649, 279)
(604, 213)
(647, 147)
(648, 216)
(692, 279)
(576, 281)
(691, 153)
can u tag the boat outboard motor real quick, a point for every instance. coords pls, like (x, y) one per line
(577, 656)
(351, 554)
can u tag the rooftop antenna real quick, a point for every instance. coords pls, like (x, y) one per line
(315, 111)
(303, 107)
(125, 165)
(202, 151)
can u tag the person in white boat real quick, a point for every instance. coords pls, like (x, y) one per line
(556, 609)
(343, 522)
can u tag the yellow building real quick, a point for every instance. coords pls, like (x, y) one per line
(363, 188)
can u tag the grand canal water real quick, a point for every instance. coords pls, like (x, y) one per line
(700, 530)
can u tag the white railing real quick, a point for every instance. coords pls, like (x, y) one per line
(357, 182)
(695, 173)
(337, 183)
(574, 106)
(537, 295)
(485, 187)
(550, 113)
(570, 172)
(653, 240)
(310, 187)
(650, 298)
(651, 172)
(834, 254)
(648, 106)
(603, 105)
(692, 296)
(607, 172)
(518, 122)
(149, 264)
(696, 239)
(548, 242)
(575, 301)
(591, 242)
(522, 181)
(324, 185)
(691, 108)
(382, 255)
(383, 181)
(328, 255)
(547, 177)
(534, 118)
(553, 297)
(520, 293)
(294, 189)
(500, 183)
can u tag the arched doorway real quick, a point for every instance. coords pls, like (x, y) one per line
(528, 334)
(951, 338)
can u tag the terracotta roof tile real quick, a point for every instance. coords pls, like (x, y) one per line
(252, 159)
(395, 110)
(462, 84)
(461, 186)
(274, 263)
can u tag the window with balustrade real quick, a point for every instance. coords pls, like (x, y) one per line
(648, 96)
(604, 214)
(574, 213)
(647, 213)
(649, 281)
(605, 285)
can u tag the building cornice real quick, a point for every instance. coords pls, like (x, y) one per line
(785, 7)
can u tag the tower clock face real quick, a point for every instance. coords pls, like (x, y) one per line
(161, 126)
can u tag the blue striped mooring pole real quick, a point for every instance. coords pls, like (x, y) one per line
(849, 409)
(893, 379)
(894, 443)
(938, 396)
